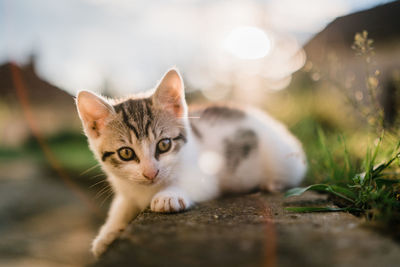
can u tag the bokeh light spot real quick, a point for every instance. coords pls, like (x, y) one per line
(248, 43)
(210, 162)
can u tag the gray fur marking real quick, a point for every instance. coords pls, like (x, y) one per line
(223, 113)
(239, 146)
(196, 131)
(141, 117)
(115, 162)
(137, 115)
(106, 154)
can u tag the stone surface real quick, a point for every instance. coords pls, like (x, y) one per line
(43, 223)
(251, 230)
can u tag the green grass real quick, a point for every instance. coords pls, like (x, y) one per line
(361, 176)
(69, 150)
(370, 188)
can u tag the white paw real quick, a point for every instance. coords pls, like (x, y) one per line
(274, 186)
(169, 202)
(102, 241)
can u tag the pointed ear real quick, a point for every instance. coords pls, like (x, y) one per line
(93, 111)
(170, 94)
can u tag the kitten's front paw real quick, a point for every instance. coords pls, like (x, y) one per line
(274, 186)
(102, 241)
(169, 202)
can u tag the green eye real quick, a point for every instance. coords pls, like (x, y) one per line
(126, 153)
(164, 145)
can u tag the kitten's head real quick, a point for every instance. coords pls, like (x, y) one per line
(138, 139)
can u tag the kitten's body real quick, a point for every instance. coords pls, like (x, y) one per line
(212, 150)
(256, 151)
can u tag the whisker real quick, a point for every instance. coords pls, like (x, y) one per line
(105, 199)
(189, 117)
(91, 168)
(97, 175)
(102, 191)
(99, 182)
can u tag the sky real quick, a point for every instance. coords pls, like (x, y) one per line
(128, 44)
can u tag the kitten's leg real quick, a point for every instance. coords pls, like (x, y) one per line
(120, 214)
(171, 199)
(273, 186)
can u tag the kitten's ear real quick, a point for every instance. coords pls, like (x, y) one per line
(170, 94)
(93, 111)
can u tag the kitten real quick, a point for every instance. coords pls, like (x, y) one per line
(157, 154)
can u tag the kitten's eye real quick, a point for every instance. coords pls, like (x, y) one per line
(164, 145)
(126, 153)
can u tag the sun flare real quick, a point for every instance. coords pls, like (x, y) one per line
(248, 43)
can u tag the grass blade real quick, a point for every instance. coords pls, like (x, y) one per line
(344, 191)
(347, 161)
(327, 152)
(297, 191)
(333, 189)
(339, 194)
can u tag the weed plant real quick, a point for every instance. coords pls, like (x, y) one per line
(369, 187)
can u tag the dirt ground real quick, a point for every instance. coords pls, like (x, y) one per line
(42, 222)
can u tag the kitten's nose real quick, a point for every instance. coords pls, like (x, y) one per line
(150, 174)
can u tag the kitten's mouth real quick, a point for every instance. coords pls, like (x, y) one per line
(149, 182)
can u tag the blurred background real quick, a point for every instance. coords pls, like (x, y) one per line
(300, 60)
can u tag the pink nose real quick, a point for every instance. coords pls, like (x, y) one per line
(150, 174)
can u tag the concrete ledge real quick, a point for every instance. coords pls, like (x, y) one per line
(251, 230)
